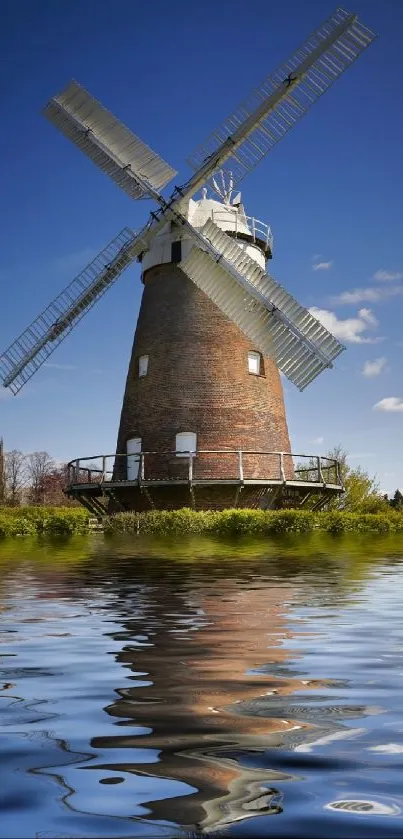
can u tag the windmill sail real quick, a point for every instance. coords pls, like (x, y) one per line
(276, 323)
(107, 142)
(246, 136)
(22, 358)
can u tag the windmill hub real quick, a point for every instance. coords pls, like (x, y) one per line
(203, 418)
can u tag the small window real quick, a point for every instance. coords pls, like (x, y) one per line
(143, 365)
(255, 363)
(176, 251)
(186, 441)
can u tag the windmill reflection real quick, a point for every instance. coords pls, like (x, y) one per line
(200, 653)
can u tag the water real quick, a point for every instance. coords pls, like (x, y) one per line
(159, 688)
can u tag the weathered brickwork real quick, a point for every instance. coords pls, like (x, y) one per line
(198, 381)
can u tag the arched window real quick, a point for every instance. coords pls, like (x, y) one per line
(186, 441)
(133, 448)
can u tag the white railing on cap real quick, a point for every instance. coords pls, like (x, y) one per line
(257, 229)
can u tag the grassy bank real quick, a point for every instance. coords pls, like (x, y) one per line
(253, 522)
(30, 521)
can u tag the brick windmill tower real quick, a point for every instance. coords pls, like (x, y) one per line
(203, 419)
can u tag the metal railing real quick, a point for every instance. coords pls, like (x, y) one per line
(211, 465)
(255, 228)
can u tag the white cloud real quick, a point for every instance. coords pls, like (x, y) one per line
(350, 329)
(383, 276)
(391, 404)
(367, 295)
(322, 266)
(374, 368)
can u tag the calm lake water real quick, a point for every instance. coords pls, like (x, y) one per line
(160, 688)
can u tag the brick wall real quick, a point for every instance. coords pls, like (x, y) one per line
(198, 380)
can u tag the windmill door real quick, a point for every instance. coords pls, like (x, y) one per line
(133, 461)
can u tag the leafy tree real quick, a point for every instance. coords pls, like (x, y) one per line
(397, 501)
(362, 493)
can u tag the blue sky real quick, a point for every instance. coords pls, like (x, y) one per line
(331, 190)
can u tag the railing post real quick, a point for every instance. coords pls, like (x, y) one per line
(103, 468)
(190, 467)
(240, 462)
(320, 475)
(282, 472)
(141, 468)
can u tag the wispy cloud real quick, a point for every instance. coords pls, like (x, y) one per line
(350, 329)
(367, 295)
(322, 266)
(70, 367)
(59, 366)
(73, 262)
(374, 368)
(318, 440)
(382, 276)
(391, 404)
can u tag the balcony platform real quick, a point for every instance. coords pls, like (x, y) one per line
(202, 480)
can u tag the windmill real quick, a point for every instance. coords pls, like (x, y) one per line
(203, 417)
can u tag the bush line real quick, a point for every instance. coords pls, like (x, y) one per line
(30, 521)
(252, 522)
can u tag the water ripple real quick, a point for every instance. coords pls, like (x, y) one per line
(150, 690)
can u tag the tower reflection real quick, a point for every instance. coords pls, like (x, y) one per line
(201, 650)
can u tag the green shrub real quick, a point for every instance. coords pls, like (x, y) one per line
(21, 521)
(236, 522)
(290, 521)
(28, 521)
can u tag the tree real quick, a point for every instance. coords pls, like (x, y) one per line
(53, 488)
(39, 466)
(362, 493)
(397, 501)
(14, 477)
